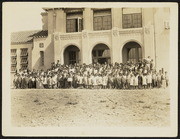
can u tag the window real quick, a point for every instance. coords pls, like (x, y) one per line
(13, 52)
(13, 60)
(132, 18)
(42, 58)
(102, 19)
(41, 45)
(24, 52)
(24, 58)
(74, 22)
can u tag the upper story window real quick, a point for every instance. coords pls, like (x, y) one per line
(74, 22)
(102, 19)
(132, 18)
(41, 45)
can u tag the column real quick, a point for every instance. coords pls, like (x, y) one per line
(88, 19)
(116, 17)
(50, 22)
(60, 21)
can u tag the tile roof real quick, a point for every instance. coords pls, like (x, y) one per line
(27, 36)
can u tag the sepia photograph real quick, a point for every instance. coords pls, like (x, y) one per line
(90, 69)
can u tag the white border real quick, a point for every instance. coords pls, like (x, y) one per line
(8, 130)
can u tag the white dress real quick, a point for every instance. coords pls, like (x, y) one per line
(136, 80)
(144, 79)
(132, 81)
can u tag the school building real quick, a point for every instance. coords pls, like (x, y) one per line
(87, 35)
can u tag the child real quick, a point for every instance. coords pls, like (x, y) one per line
(144, 81)
(85, 81)
(167, 79)
(104, 81)
(100, 81)
(124, 81)
(140, 81)
(136, 81)
(70, 79)
(132, 81)
(149, 80)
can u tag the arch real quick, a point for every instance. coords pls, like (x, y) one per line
(133, 40)
(101, 53)
(132, 51)
(71, 54)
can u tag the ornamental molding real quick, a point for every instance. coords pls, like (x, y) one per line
(115, 33)
(84, 35)
(147, 30)
(131, 31)
(70, 36)
(95, 34)
(56, 37)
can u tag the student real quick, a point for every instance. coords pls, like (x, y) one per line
(15, 81)
(128, 77)
(34, 81)
(49, 82)
(136, 81)
(131, 81)
(100, 81)
(159, 79)
(70, 79)
(167, 79)
(140, 81)
(80, 81)
(75, 81)
(124, 81)
(119, 82)
(30, 83)
(154, 79)
(44, 81)
(85, 81)
(144, 81)
(163, 78)
(104, 81)
(95, 82)
(19, 82)
(149, 80)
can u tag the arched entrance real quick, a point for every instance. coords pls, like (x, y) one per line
(71, 55)
(131, 51)
(101, 54)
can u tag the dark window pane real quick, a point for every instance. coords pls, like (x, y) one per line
(132, 20)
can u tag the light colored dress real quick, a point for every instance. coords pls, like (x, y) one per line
(136, 81)
(144, 80)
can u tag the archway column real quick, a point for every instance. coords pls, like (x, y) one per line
(115, 56)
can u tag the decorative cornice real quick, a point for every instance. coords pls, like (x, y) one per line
(99, 33)
(131, 31)
(70, 36)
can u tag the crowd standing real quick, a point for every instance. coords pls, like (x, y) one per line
(140, 75)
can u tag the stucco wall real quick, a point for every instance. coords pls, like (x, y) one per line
(48, 53)
(162, 38)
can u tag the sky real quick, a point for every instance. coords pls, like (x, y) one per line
(22, 18)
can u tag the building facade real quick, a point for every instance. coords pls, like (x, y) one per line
(88, 35)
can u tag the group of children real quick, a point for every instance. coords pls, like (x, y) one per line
(130, 75)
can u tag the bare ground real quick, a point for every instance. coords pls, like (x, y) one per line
(82, 107)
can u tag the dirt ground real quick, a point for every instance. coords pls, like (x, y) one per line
(82, 107)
